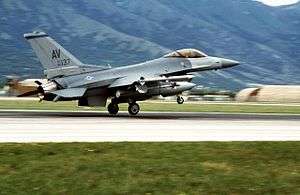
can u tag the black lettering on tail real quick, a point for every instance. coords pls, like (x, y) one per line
(55, 53)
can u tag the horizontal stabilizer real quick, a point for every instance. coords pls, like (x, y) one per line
(70, 93)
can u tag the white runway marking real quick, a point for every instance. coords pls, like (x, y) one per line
(106, 129)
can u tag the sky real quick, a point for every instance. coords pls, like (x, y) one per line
(278, 2)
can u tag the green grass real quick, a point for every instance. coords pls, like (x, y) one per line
(150, 106)
(151, 168)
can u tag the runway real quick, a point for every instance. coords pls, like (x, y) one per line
(56, 126)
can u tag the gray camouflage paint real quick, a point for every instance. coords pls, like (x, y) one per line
(94, 84)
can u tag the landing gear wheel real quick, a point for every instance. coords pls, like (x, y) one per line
(113, 108)
(133, 109)
(180, 100)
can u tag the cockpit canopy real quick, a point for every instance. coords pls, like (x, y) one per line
(186, 53)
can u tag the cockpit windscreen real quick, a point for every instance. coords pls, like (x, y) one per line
(186, 53)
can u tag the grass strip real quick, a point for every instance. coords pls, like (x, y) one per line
(151, 168)
(152, 106)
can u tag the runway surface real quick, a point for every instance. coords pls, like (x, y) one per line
(56, 126)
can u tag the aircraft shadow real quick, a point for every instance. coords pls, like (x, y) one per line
(157, 116)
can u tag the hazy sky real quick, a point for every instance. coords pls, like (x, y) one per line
(278, 2)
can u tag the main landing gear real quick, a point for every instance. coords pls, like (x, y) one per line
(113, 108)
(180, 100)
(133, 108)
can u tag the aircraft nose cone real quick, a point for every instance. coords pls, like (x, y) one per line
(229, 63)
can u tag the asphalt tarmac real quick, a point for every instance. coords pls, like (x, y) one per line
(57, 126)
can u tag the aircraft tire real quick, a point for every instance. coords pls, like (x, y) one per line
(113, 109)
(133, 109)
(180, 100)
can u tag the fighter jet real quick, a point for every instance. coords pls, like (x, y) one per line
(92, 85)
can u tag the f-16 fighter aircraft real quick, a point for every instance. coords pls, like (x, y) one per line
(70, 79)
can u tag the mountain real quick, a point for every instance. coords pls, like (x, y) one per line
(119, 32)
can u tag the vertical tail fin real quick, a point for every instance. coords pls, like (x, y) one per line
(50, 53)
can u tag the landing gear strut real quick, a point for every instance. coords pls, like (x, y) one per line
(113, 108)
(180, 100)
(133, 108)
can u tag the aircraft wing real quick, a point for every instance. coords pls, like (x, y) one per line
(72, 70)
(127, 81)
(163, 78)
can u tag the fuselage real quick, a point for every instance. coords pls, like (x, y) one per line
(70, 79)
(158, 67)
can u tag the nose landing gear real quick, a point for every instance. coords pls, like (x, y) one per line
(180, 100)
